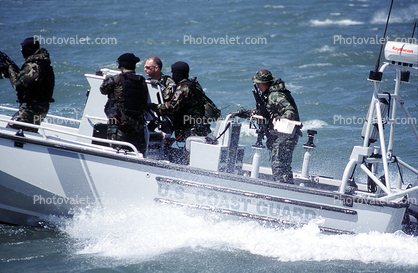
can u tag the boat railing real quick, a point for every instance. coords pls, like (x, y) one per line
(96, 118)
(365, 154)
(42, 130)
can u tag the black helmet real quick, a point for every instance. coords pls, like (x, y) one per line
(29, 46)
(128, 60)
(180, 71)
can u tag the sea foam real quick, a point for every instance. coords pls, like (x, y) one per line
(143, 233)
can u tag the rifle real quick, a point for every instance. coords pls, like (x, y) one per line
(261, 115)
(5, 62)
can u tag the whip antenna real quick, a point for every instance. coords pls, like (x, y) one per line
(375, 75)
(413, 31)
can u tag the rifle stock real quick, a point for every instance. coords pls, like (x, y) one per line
(261, 110)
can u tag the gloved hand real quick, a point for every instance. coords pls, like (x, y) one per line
(151, 106)
(242, 113)
(4, 70)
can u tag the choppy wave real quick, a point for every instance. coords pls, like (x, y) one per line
(398, 15)
(326, 48)
(274, 6)
(328, 22)
(315, 65)
(313, 124)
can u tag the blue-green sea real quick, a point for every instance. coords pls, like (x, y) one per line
(323, 50)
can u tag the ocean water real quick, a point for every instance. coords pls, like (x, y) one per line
(323, 51)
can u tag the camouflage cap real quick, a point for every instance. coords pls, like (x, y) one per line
(263, 76)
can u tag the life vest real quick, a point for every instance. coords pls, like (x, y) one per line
(290, 99)
(278, 86)
(135, 93)
(47, 82)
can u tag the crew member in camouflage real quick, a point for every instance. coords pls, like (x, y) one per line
(127, 97)
(279, 104)
(152, 68)
(185, 108)
(34, 84)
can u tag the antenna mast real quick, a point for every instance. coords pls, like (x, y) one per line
(375, 75)
(413, 31)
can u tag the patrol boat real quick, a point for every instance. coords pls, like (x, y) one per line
(69, 164)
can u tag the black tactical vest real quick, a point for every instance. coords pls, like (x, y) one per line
(135, 93)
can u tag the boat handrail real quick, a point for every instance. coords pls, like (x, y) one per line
(102, 140)
(96, 118)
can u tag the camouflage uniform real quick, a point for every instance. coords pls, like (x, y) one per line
(164, 123)
(122, 125)
(167, 84)
(279, 104)
(34, 84)
(186, 111)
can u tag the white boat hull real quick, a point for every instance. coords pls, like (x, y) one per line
(71, 176)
